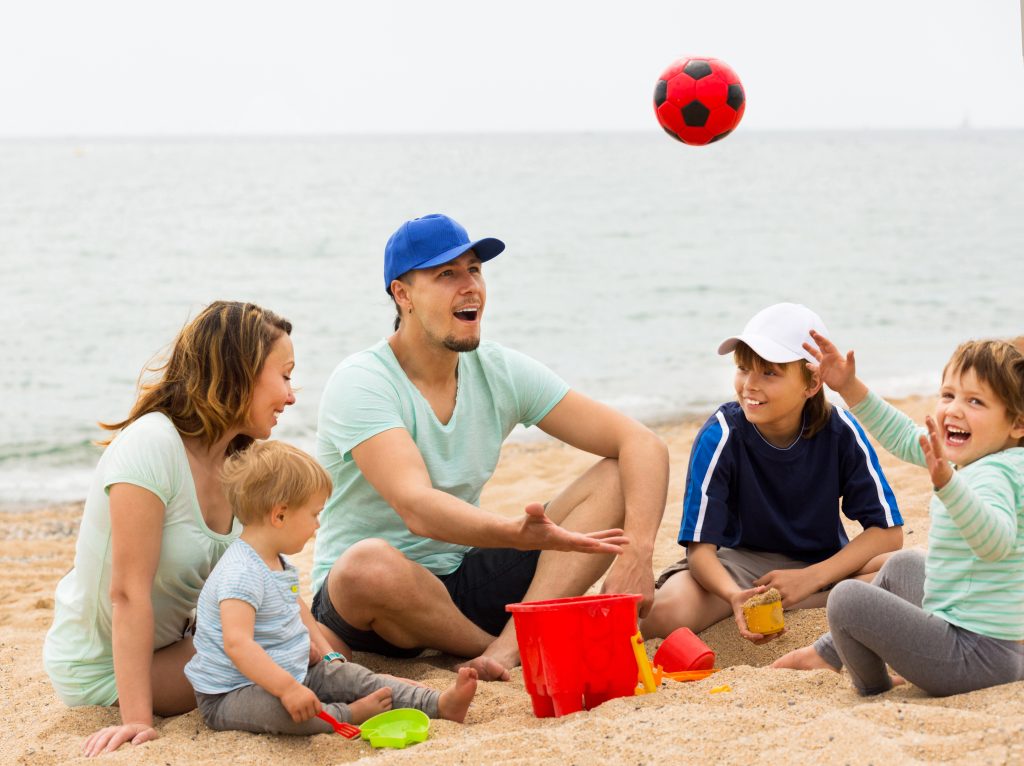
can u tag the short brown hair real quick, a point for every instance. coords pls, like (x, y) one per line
(817, 409)
(207, 381)
(997, 363)
(270, 474)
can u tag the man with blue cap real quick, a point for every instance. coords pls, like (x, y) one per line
(411, 430)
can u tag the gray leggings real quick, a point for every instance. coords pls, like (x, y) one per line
(251, 708)
(883, 622)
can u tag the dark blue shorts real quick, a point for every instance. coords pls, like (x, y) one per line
(487, 580)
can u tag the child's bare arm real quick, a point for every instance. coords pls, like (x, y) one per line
(797, 584)
(238, 620)
(709, 573)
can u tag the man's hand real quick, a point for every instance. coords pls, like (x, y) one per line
(300, 702)
(632, 574)
(794, 584)
(736, 601)
(935, 455)
(538, 532)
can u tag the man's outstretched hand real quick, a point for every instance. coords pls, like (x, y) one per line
(538, 532)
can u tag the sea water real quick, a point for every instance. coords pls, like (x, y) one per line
(630, 257)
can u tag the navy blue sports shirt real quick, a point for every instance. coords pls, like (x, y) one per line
(741, 492)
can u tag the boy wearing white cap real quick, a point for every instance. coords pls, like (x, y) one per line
(767, 477)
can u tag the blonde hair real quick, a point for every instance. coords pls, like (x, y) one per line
(271, 474)
(208, 379)
(817, 409)
(1000, 365)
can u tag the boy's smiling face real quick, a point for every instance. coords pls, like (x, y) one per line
(973, 422)
(772, 397)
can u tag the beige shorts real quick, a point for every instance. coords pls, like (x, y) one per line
(743, 565)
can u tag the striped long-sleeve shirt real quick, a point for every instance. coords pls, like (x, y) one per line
(974, 572)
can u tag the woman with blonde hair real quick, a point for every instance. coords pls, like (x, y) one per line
(156, 519)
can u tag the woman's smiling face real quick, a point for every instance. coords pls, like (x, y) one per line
(273, 391)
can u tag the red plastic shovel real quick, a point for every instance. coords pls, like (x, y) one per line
(346, 730)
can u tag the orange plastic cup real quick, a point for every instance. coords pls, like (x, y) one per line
(682, 650)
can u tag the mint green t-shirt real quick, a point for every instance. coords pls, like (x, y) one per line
(974, 570)
(369, 393)
(77, 652)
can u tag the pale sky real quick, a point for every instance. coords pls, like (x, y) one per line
(98, 67)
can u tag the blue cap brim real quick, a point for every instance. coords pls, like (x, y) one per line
(485, 249)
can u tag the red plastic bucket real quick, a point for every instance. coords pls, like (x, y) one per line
(576, 652)
(682, 650)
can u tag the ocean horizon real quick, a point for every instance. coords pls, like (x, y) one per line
(629, 258)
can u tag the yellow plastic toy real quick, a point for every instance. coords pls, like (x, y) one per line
(764, 618)
(650, 679)
(646, 675)
(763, 612)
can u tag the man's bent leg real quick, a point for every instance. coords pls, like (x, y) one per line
(373, 586)
(593, 501)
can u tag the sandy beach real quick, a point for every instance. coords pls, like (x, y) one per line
(769, 717)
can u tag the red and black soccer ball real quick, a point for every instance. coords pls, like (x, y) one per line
(699, 100)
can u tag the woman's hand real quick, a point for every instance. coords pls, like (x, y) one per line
(935, 455)
(112, 737)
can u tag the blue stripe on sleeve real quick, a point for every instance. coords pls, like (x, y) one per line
(703, 460)
(886, 498)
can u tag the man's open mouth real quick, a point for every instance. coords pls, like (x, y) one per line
(467, 314)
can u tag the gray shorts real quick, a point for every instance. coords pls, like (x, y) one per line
(743, 565)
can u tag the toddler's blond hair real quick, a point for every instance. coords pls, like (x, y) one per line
(270, 474)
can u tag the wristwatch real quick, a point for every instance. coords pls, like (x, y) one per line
(332, 656)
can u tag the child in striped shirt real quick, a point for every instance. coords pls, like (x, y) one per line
(262, 663)
(951, 621)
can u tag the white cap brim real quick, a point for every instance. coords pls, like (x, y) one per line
(764, 347)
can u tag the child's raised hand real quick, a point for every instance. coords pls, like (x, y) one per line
(836, 371)
(300, 702)
(935, 455)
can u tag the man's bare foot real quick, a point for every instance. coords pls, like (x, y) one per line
(486, 668)
(454, 701)
(803, 659)
(497, 659)
(367, 707)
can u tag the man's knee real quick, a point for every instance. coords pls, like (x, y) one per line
(367, 572)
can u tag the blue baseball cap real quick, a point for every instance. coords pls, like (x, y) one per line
(430, 241)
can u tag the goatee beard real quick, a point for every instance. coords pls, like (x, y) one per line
(469, 344)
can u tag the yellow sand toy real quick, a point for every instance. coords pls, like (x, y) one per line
(650, 679)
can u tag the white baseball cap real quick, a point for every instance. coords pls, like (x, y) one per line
(777, 333)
